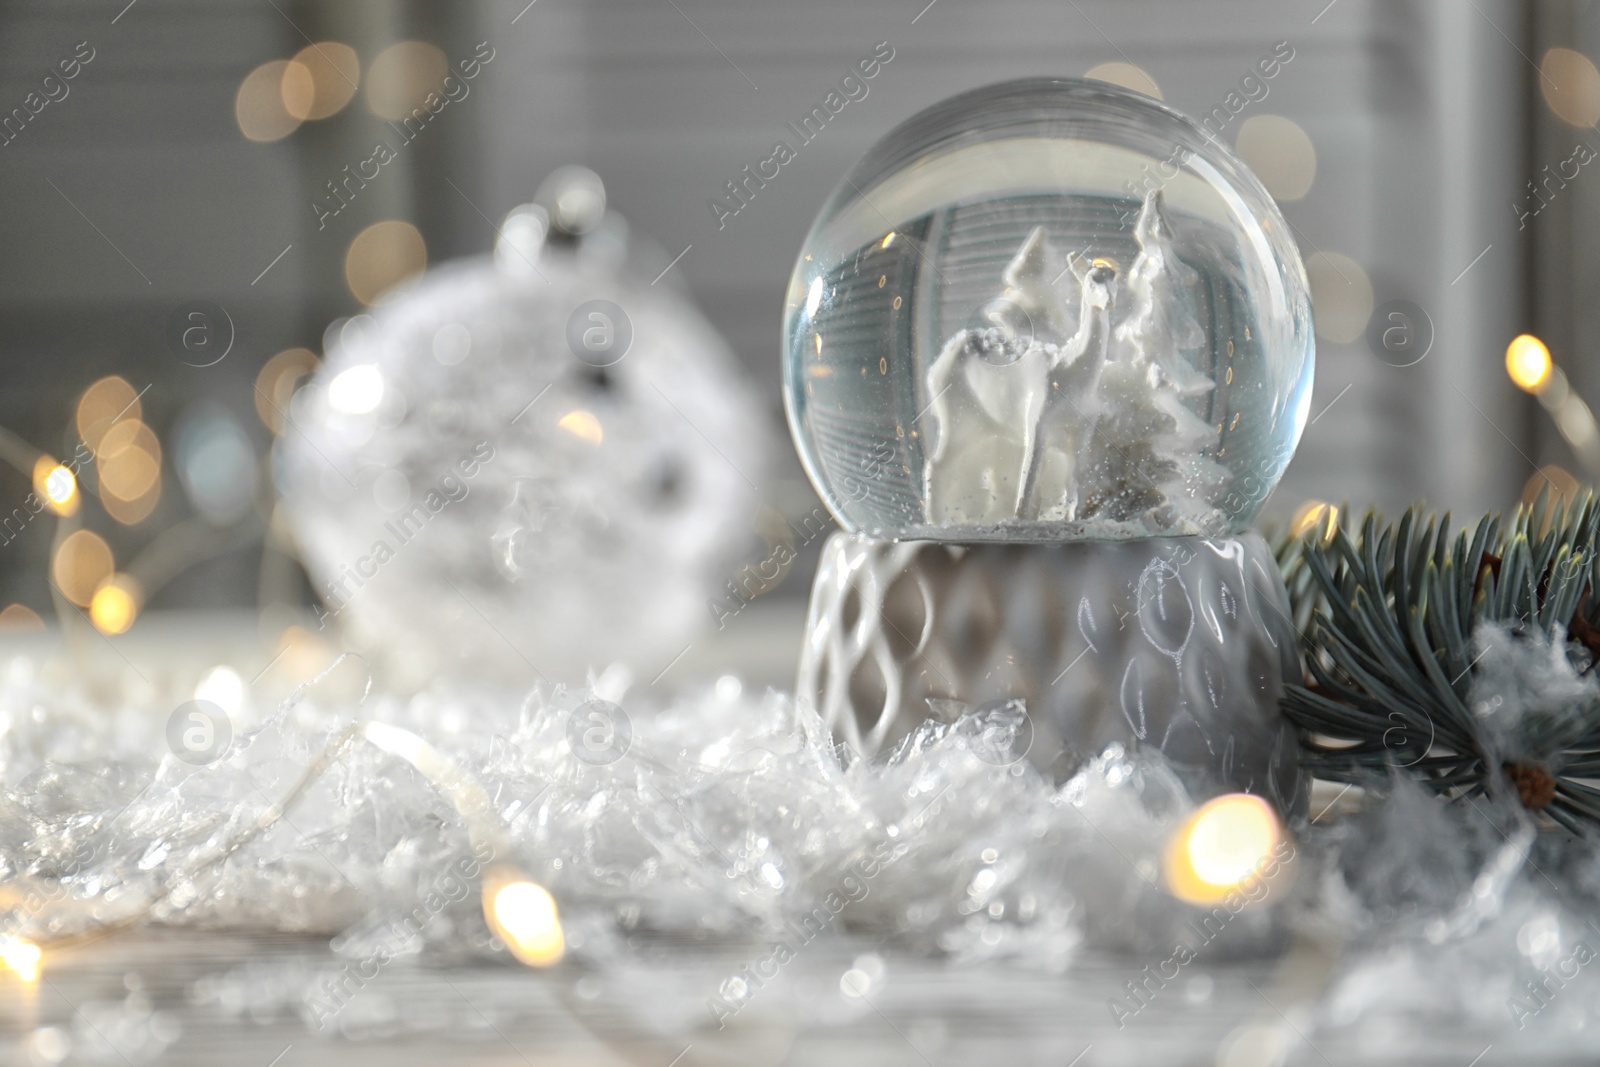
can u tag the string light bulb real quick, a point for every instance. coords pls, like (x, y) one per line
(82, 561)
(55, 484)
(582, 425)
(20, 957)
(115, 605)
(519, 911)
(1528, 363)
(1224, 846)
(523, 914)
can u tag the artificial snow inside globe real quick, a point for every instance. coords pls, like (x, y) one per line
(1047, 349)
(1047, 310)
(517, 468)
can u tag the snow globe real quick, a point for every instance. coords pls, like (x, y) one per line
(515, 468)
(1047, 349)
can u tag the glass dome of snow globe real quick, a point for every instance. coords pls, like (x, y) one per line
(1047, 310)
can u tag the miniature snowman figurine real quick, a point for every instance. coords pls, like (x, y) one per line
(1076, 324)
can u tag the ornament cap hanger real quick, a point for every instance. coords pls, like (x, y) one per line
(574, 198)
(568, 213)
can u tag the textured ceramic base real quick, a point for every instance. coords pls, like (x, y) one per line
(1182, 643)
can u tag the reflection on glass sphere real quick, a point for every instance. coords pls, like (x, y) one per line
(1047, 310)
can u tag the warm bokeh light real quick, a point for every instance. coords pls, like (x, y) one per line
(1555, 480)
(1341, 295)
(298, 89)
(1571, 86)
(523, 914)
(335, 71)
(299, 655)
(129, 458)
(1280, 153)
(19, 618)
(263, 104)
(132, 512)
(115, 604)
(1560, 487)
(1528, 362)
(582, 424)
(20, 957)
(1314, 513)
(55, 485)
(1126, 75)
(82, 561)
(106, 402)
(1220, 849)
(381, 256)
(400, 79)
(279, 377)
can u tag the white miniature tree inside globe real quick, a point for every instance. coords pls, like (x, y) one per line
(523, 466)
(1047, 310)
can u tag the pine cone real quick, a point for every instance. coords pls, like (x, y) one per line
(1536, 786)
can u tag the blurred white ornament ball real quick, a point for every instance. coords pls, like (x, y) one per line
(528, 465)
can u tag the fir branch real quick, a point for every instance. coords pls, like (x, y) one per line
(1390, 617)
